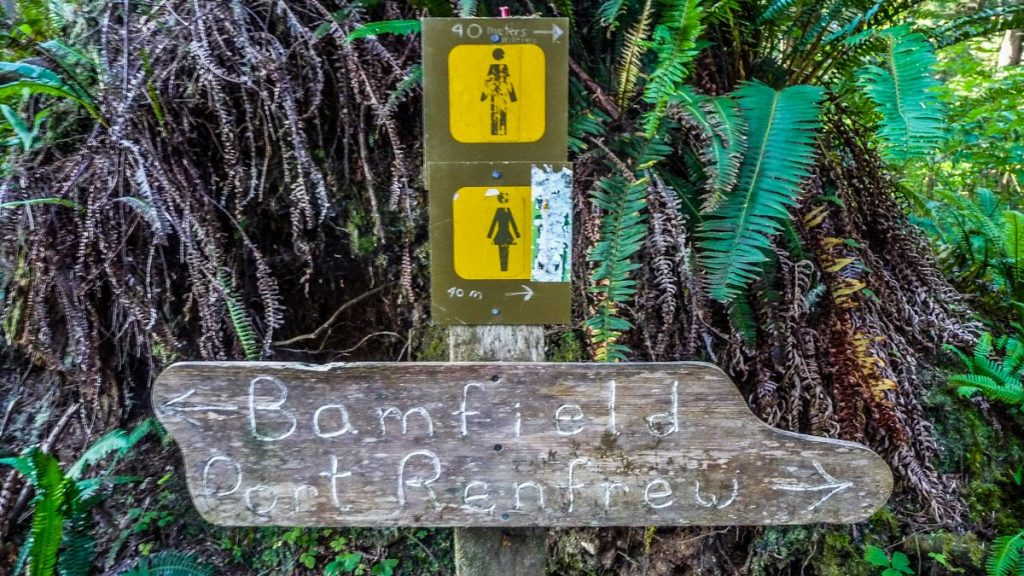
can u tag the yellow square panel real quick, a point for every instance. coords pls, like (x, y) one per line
(492, 232)
(496, 93)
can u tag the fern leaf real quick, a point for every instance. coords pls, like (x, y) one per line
(244, 330)
(79, 550)
(467, 8)
(675, 44)
(773, 11)
(609, 12)
(912, 124)
(169, 564)
(977, 24)
(400, 27)
(41, 201)
(622, 232)
(406, 87)
(25, 465)
(1013, 244)
(1008, 394)
(634, 46)
(734, 238)
(48, 515)
(114, 441)
(1006, 556)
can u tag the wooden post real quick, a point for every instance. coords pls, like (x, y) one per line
(498, 551)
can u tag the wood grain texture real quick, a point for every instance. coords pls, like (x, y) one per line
(454, 444)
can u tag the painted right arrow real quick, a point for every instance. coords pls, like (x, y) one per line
(526, 294)
(555, 32)
(833, 486)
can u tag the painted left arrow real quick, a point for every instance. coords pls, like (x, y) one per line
(178, 406)
(832, 485)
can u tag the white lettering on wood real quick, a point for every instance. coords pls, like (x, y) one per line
(535, 486)
(610, 485)
(571, 485)
(247, 498)
(666, 423)
(469, 501)
(333, 475)
(519, 421)
(297, 496)
(273, 406)
(383, 413)
(664, 490)
(611, 408)
(206, 476)
(568, 413)
(462, 412)
(346, 427)
(419, 481)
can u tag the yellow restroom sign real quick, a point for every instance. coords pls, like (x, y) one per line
(496, 93)
(492, 232)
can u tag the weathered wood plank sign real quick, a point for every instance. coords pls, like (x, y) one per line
(499, 444)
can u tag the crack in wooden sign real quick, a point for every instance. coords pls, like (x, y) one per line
(511, 444)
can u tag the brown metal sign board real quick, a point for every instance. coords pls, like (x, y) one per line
(500, 239)
(499, 444)
(495, 89)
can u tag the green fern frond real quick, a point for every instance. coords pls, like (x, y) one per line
(622, 233)
(1013, 244)
(634, 46)
(240, 322)
(1012, 393)
(741, 317)
(467, 8)
(48, 515)
(912, 124)
(41, 201)
(400, 27)
(77, 551)
(983, 348)
(609, 12)
(114, 441)
(584, 119)
(675, 44)
(25, 465)
(773, 11)
(411, 82)
(40, 80)
(169, 564)
(1007, 556)
(734, 238)
(977, 24)
(724, 132)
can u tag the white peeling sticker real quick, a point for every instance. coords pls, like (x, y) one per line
(551, 192)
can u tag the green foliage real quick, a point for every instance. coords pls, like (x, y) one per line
(897, 565)
(736, 236)
(169, 564)
(621, 236)
(34, 79)
(240, 321)
(675, 45)
(62, 502)
(977, 24)
(1007, 556)
(634, 46)
(400, 27)
(999, 380)
(912, 124)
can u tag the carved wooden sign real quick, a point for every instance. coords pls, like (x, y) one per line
(499, 444)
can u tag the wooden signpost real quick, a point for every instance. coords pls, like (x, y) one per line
(499, 444)
(495, 447)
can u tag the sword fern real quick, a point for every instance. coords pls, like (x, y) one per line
(735, 237)
(912, 124)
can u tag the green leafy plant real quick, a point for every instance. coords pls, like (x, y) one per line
(400, 27)
(735, 236)
(896, 565)
(1006, 557)
(63, 500)
(912, 124)
(998, 380)
(169, 563)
